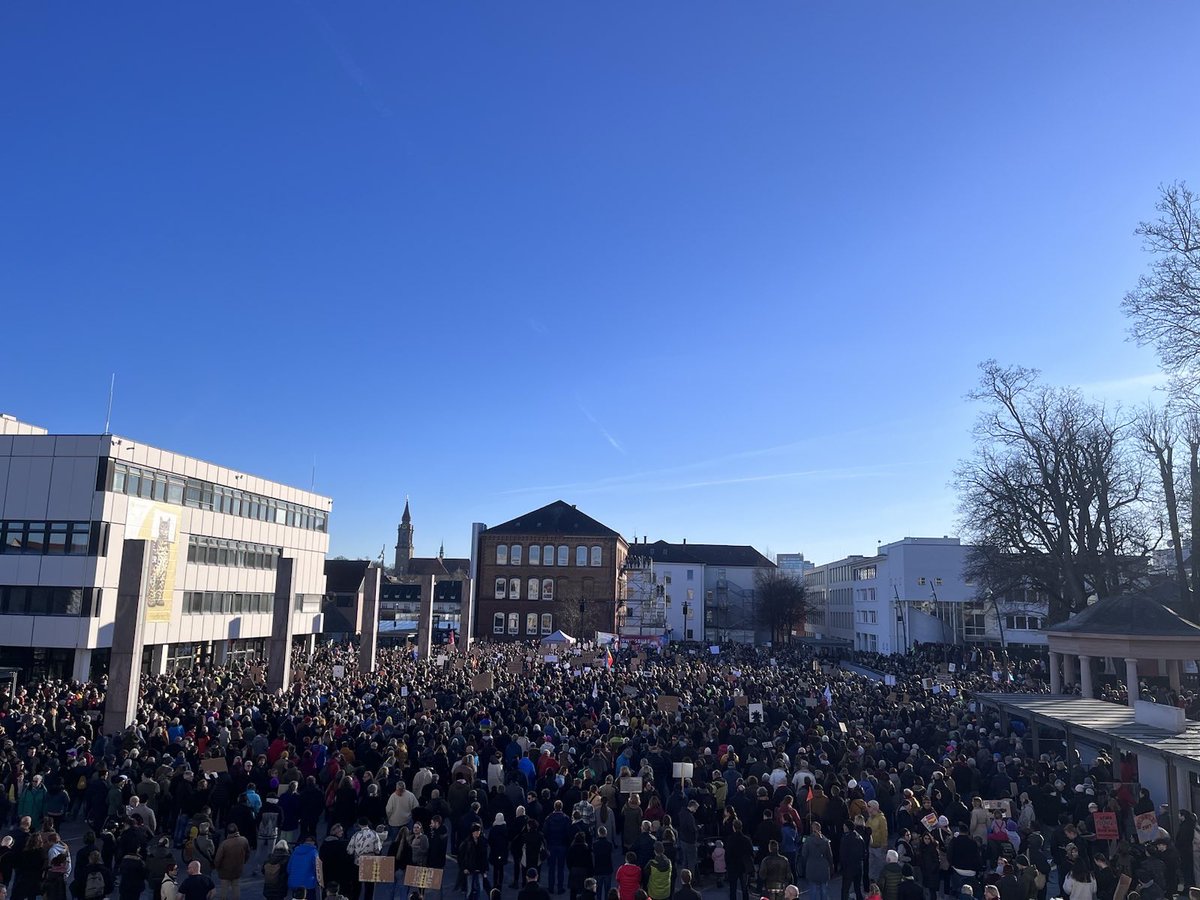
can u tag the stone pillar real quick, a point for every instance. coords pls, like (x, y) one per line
(425, 616)
(279, 645)
(125, 664)
(83, 664)
(466, 623)
(1173, 674)
(369, 641)
(1055, 678)
(1070, 679)
(1131, 680)
(1085, 676)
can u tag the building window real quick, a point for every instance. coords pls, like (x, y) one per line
(535, 587)
(597, 556)
(501, 588)
(548, 555)
(937, 582)
(547, 623)
(56, 538)
(498, 623)
(502, 554)
(515, 554)
(531, 623)
(514, 589)
(563, 554)
(514, 623)
(974, 625)
(535, 554)
(921, 582)
(1023, 623)
(547, 588)
(690, 574)
(581, 556)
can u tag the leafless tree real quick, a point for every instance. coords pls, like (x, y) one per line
(1051, 498)
(781, 603)
(1165, 305)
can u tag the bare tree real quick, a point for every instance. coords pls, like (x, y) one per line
(1051, 499)
(782, 603)
(1165, 305)
(1158, 433)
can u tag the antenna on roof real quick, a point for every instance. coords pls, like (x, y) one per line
(312, 485)
(112, 386)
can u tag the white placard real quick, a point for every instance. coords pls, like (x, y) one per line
(714, 650)
(339, 671)
(551, 658)
(953, 667)
(756, 712)
(681, 770)
(403, 690)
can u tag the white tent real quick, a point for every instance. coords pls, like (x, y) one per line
(560, 638)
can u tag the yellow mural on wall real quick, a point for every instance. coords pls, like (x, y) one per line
(158, 525)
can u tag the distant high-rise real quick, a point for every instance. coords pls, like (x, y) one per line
(793, 564)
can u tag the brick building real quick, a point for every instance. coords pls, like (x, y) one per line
(552, 568)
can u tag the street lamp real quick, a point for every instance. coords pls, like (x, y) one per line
(687, 609)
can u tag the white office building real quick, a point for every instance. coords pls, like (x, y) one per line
(120, 558)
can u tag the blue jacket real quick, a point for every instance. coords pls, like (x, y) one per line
(302, 868)
(556, 828)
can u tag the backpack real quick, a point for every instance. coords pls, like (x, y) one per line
(94, 887)
(271, 872)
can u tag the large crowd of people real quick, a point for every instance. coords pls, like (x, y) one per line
(513, 769)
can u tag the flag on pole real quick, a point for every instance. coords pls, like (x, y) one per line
(451, 638)
(608, 660)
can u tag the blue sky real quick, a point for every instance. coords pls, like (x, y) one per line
(708, 270)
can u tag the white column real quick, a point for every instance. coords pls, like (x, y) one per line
(1131, 680)
(158, 659)
(1085, 676)
(1055, 678)
(1069, 677)
(1173, 667)
(83, 664)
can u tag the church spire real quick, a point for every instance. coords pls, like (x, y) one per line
(442, 551)
(404, 541)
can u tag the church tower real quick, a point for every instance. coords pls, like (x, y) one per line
(404, 541)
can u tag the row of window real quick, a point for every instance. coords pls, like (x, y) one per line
(26, 600)
(215, 602)
(548, 555)
(216, 552)
(865, 573)
(533, 622)
(868, 616)
(121, 478)
(867, 642)
(539, 589)
(50, 538)
(1023, 623)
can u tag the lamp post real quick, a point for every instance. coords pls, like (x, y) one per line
(687, 610)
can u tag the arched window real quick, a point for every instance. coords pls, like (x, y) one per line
(548, 555)
(502, 554)
(581, 556)
(514, 623)
(597, 555)
(498, 623)
(531, 623)
(535, 554)
(535, 588)
(514, 589)
(514, 555)
(501, 588)
(547, 623)
(547, 588)
(563, 553)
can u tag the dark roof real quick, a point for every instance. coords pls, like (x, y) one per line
(724, 555)
(557, 518)
(345, 576)
(435, 565)
(1128, 614)
(662, 552)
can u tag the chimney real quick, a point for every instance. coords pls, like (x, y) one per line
(685, 542)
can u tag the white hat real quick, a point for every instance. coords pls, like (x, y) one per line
(851, 784)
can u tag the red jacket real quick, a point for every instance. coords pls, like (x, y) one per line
(629, 880)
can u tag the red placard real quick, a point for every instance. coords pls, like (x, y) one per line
(1106, 826)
